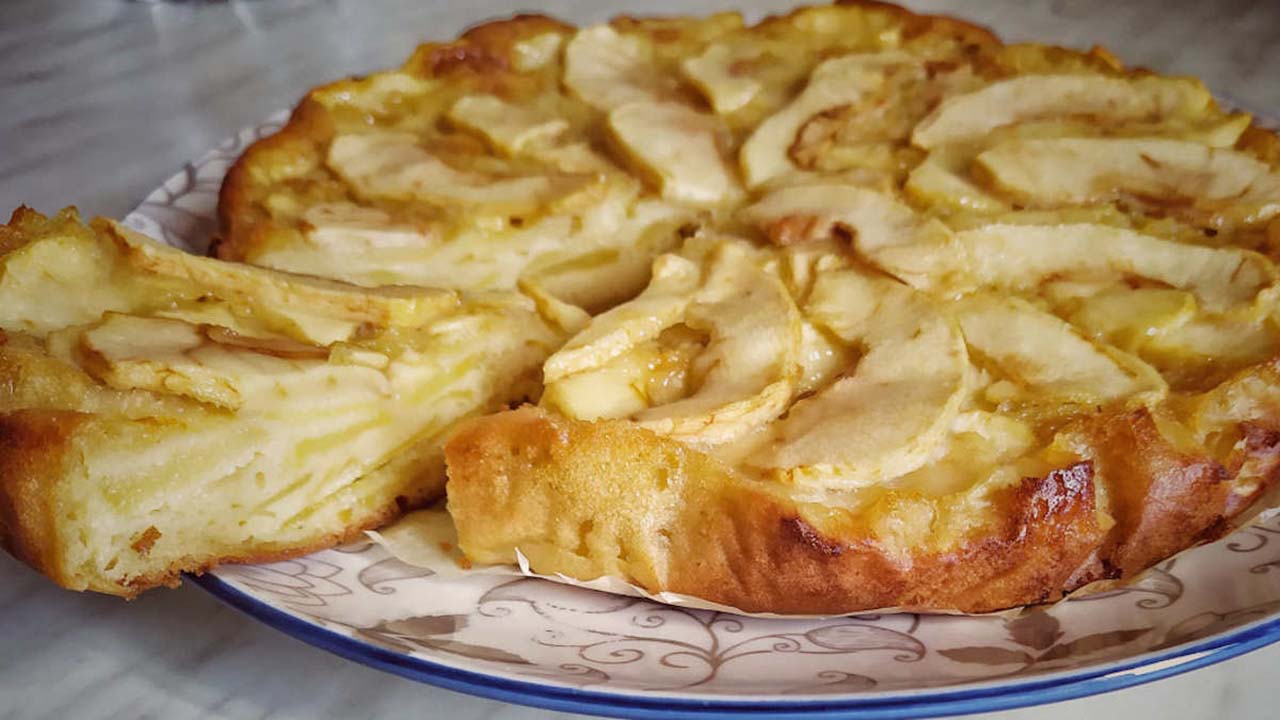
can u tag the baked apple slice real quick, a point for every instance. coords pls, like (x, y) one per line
(971, 116)
(706, 354)
(835, 83)
(888, 413)
(1174, 174)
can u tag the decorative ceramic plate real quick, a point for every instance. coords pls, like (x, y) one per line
(540, 643)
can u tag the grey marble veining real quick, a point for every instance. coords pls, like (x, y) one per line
(102, 99)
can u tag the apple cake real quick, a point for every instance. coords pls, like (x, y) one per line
(969, 325)
(850, 308)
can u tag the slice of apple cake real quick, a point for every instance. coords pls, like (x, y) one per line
(162, 412)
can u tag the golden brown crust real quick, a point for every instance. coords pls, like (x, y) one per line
(33, 453)
(518, 475)
(241, 221)
(1048, 528)
(917, 25)
(483, 49)
(1162, 500)
(518, 479)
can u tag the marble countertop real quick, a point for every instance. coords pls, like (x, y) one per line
(102, 99)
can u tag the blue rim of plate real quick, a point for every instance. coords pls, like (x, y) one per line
(1053, 687)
